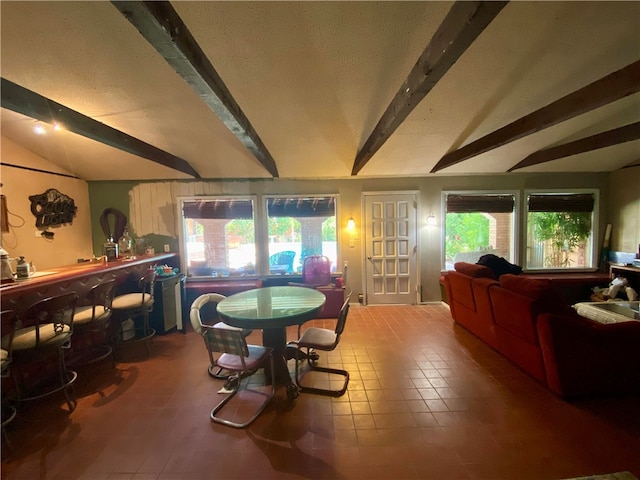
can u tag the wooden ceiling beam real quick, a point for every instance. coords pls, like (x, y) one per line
(462, 25)
(616, 136)
(617, 85)
(27, 102)
(163, 28)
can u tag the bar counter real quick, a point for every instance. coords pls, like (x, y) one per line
(78, 278)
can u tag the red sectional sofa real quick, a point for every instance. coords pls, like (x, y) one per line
(528, 319)
(586, 358)
(468, 294)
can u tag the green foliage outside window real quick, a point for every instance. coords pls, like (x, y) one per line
(562, 232)
(241, 228)
(465, 232)
(329, 230)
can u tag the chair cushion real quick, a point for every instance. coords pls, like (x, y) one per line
(4, 355)
(130, 301)
(85, 314)
(320, 338)
(257, 355)
(25, 338)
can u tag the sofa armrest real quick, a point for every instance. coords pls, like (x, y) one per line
(583, 357)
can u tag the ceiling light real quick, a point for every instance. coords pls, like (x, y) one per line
(39, 129)
(57, 127)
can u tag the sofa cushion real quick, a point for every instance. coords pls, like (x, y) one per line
(547, 298)
(473, 270)
(461, 292)
(529, 287)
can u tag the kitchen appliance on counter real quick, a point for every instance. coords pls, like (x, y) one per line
(6, 273)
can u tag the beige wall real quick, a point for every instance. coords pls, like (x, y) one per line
(71, 241)
(624, 208)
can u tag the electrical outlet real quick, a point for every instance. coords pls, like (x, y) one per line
(38, 234)
(166, 247)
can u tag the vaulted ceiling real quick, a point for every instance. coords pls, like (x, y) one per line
(181, 90)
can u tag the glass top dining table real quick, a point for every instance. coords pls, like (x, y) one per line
(273, 309)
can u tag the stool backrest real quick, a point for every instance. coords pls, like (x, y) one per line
(146, 285)
(58, 310)
(101, 294)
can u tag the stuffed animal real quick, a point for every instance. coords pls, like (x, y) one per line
(618, 286)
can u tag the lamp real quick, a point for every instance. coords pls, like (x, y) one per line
(431, 220)
(39, 129)
(351, 224)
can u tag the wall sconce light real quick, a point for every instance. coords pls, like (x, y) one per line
(351, 224)
(431, 220)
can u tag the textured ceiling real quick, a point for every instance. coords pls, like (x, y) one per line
(313, 79)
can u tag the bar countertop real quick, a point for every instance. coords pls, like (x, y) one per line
(78, 277)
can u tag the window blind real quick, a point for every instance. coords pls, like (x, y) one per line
(460, 203)
(218, 209)
(566, 202)
(301, 207)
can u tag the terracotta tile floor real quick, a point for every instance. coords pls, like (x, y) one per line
(427, 400)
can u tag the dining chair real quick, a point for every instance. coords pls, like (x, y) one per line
(324, 339)
(243, 361)
(205, 307)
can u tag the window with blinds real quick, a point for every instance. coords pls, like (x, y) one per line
(560, 230)
(219, 236)
(300, 226)
(476, 224)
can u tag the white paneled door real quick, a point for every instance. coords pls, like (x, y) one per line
(390, 248)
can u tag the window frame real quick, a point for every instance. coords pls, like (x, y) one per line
(180, 200)
(595, 227)
(261, 228)
(515, 220)
(265, 211)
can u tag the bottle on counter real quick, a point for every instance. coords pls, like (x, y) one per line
(22, 268)
(124, 244)
(110, 249)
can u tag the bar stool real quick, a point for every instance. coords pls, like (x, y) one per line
(9, 320)
(43, 333)
(91, 341)
(131, 312)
